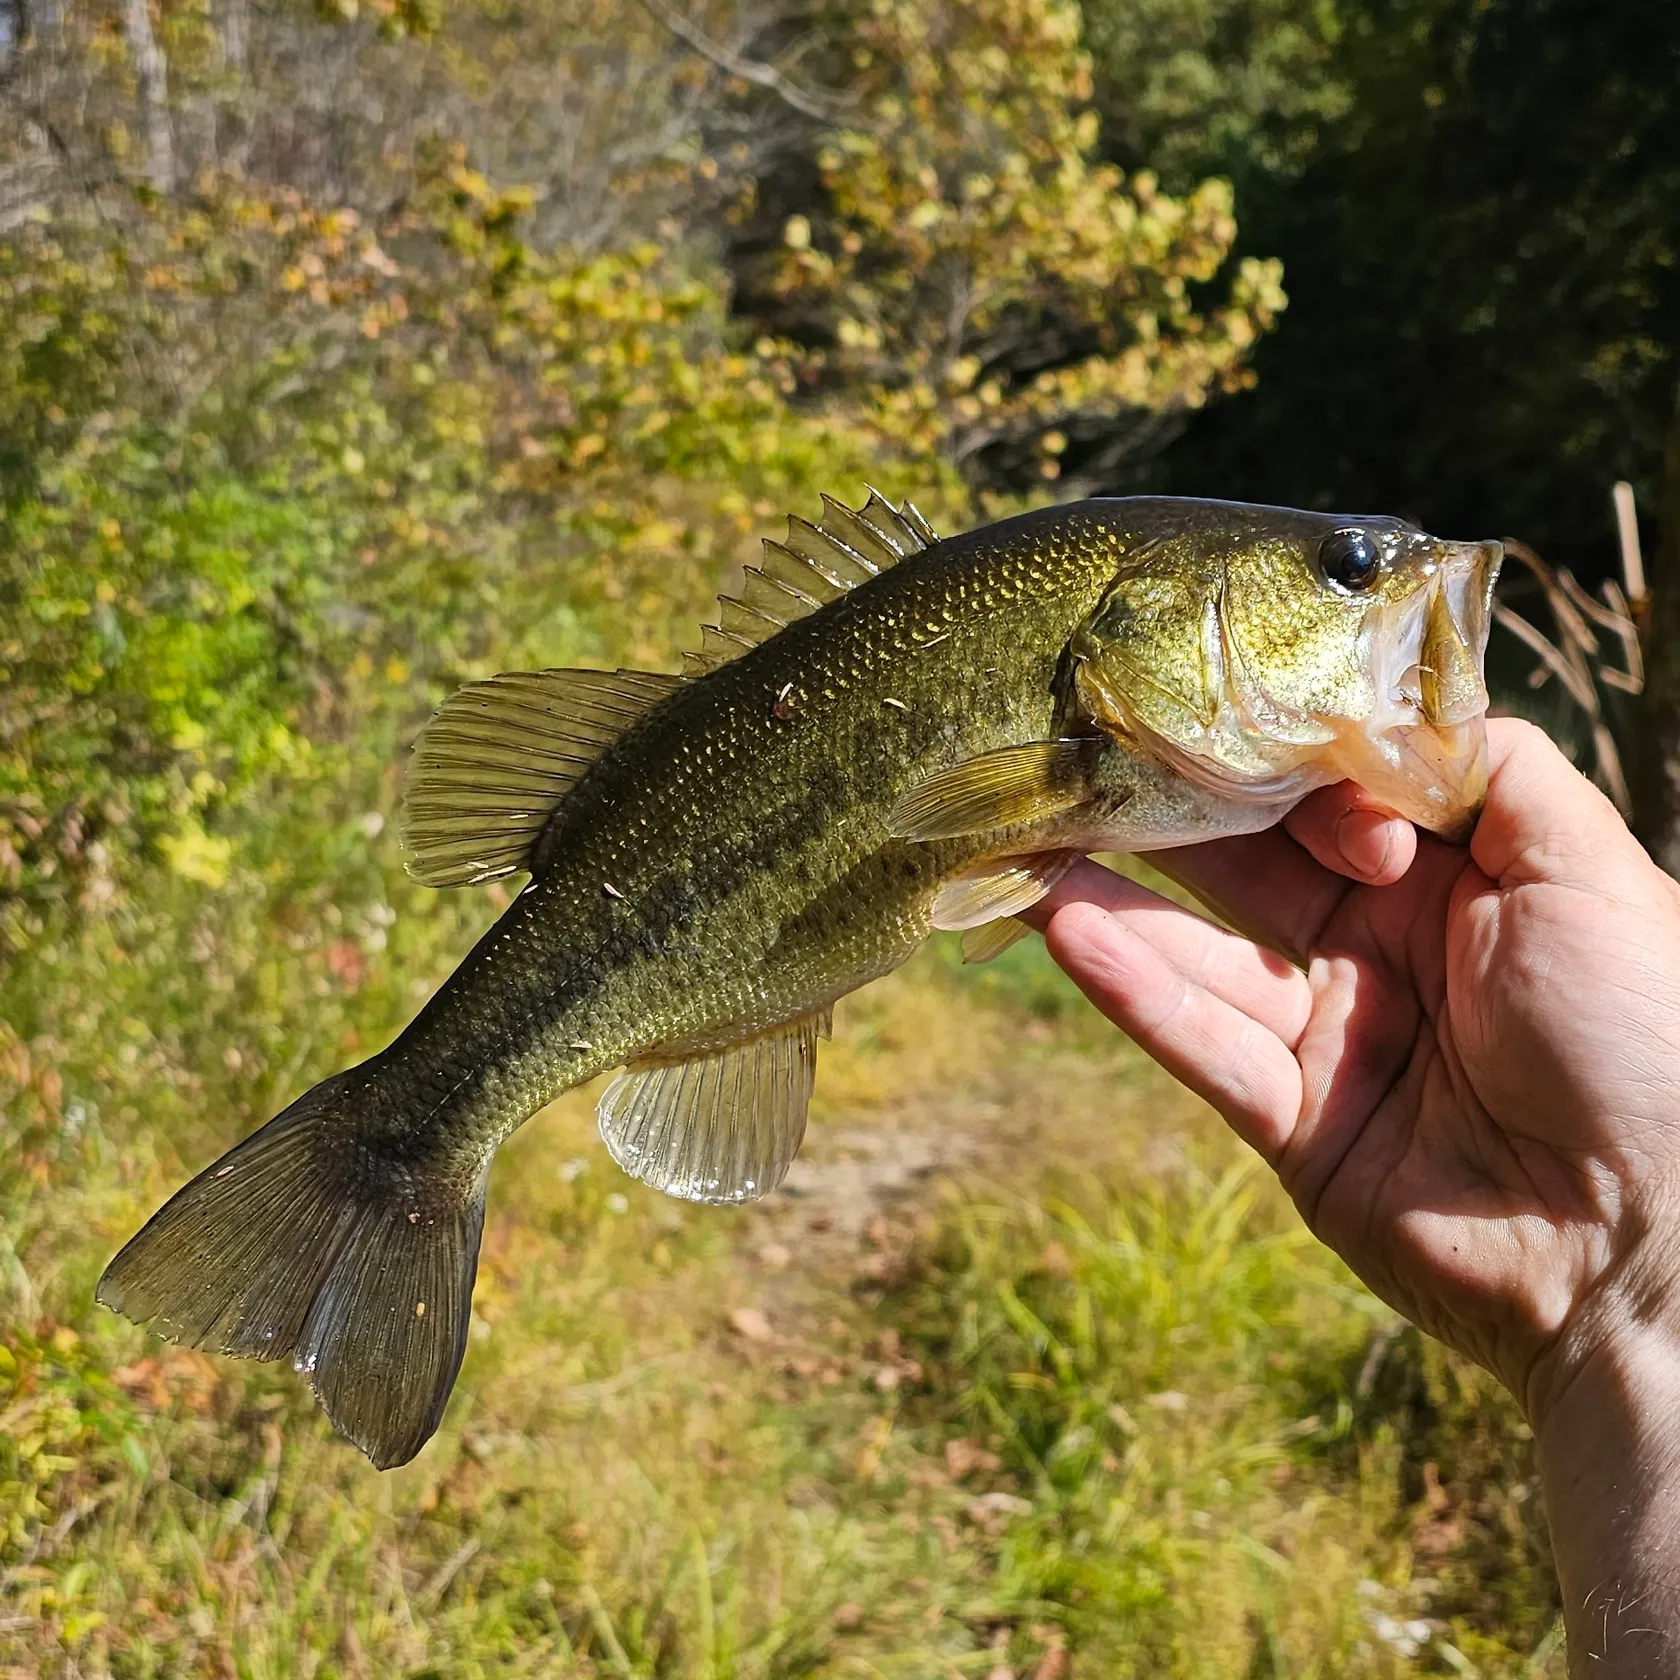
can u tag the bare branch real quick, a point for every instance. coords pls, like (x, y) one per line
(1627, 632)
(766, 76)
(1580, 691)
(1610, 766)
(1577, 658)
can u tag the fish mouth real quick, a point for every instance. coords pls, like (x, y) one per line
(1424, 755)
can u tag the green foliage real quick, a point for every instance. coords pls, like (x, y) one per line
(203, 591)
(61, 1416)
(1164, 1378)
(1482, 253)
(1237, 86)
(1463, 1462)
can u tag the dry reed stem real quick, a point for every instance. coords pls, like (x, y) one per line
(1577, 657)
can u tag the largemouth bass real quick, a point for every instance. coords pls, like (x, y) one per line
(886, 733)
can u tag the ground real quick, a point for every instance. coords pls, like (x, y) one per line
(1028, 1371)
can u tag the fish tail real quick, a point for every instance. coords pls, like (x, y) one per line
(304, 1242)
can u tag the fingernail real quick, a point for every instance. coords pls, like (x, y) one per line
(1365, 840)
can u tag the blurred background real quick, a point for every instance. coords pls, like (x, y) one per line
(352, 351)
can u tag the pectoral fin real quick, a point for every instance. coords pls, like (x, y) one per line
(721, 1126)
(1002, 789)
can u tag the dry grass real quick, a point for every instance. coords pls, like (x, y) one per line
(1592, 655)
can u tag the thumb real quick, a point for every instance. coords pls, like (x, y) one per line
(1544, 821)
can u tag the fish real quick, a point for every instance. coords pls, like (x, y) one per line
(885, 733)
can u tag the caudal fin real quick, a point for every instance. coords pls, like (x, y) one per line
(297, 1245)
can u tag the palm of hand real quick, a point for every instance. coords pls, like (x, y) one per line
(1445, 1148)
(1465, 1089)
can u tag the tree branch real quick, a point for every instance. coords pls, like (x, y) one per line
(766, 76)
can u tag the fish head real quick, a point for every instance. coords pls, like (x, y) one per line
(1266, 651)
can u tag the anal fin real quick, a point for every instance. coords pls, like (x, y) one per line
(719, 1126)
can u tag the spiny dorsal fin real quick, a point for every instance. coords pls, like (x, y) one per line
(490, 768)
(721, 1125)
(812, 565)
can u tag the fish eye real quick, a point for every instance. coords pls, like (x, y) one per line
(1350, 559)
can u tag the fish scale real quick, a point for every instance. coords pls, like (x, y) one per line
(729, 764)
(884, 733)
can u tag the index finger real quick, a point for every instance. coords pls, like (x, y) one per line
(1264, 885)
(1247, 976)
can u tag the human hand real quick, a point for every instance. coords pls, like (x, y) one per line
(1469, 1081)
(1471, 1086)
(1468, 1078)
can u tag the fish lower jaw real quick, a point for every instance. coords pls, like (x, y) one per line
(1434, 775)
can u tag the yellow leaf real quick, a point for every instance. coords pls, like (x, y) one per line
(197, 856)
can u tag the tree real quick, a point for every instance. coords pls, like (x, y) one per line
(1233, 87)
(1483, 252)
(992, 289)
(1479, 211)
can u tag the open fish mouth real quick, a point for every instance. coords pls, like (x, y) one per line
(1424, 754)
(1417, 742)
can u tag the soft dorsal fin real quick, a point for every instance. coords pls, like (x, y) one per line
(491, 766)
(812, 565)
(721, 1125)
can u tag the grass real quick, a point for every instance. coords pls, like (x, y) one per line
(1029, 1374)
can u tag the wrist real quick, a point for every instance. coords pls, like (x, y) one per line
(1608, 1442)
